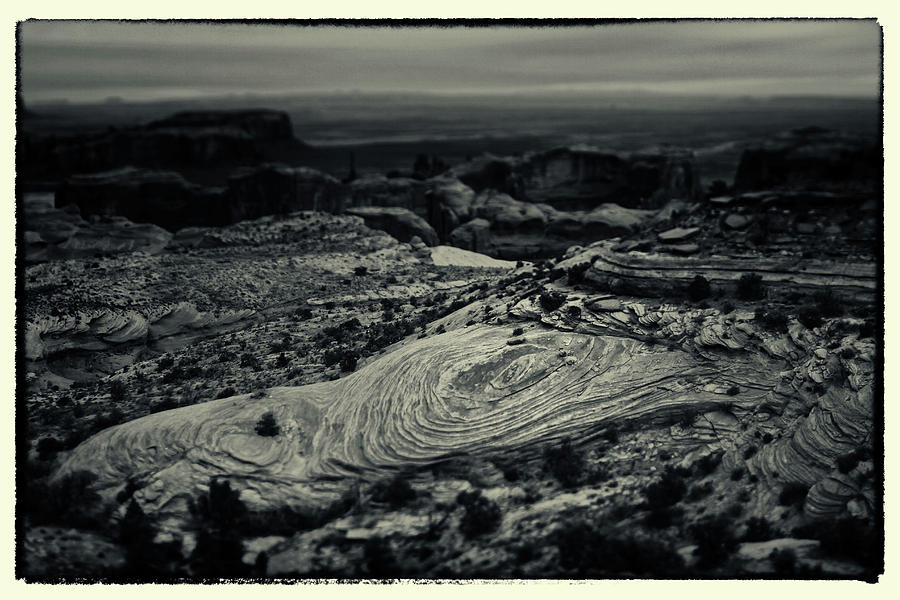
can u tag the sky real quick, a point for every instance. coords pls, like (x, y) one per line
(87, 61)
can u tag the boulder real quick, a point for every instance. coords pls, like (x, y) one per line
(507, 214)
(736, 221)
(678, 234)
(401, 223)
(449, 204)
(474, 235)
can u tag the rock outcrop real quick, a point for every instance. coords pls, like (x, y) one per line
(401, 223)
(462, 391)
(811, 159)
(655, 275)
(276, 189)
(580, 178)
(164, 198)
(377, 190)
(189, 139)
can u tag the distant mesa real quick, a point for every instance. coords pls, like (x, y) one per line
(187, 139)
(258, 124)
(812, 159)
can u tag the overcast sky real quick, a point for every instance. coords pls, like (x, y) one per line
(87, 61)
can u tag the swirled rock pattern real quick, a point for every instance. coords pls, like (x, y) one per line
(466, 391)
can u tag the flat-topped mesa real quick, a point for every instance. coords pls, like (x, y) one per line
(259, 124)
(812, 159)
(166, 199)
(188, 139)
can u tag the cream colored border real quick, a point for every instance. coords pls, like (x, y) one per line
(14, 11)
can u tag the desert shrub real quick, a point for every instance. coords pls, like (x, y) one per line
(360, 271)
(590, 553)
(48, 447)
(668, 491)
(708, 463)
(750, 287)
(481, 515)
(734, 390)
(574, 311)
(565, 463)
(810, 316)
(166, 404)
(715, 541)
(226, 393)
(282, 360)
(515, 341)
(663, 516)
(759, 530)
(248, 360)
(750, 452)
(118, 392)
(773, 320)
(867, 329)
(551, 301)
(699, 288)
(699, 491)
(611, 435)
(396, 492)
(828, 304)
(114, 416)
(70, 501)
(793, 494)
(348, 361)
(165, 362)
(518, 331)
(737, 474)
(576, 273)
(784, 561)
(304, 313)
(848, 462)
(267, 426)
(847, 538)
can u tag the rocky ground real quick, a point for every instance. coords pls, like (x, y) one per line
(686, 388)
(440, 421)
